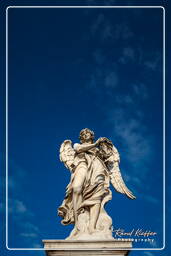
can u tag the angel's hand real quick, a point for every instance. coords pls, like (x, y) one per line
(102, 139)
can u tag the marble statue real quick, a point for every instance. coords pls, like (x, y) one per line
(93, 166)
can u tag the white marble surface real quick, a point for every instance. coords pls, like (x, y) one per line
(94, 248)
(93, 166)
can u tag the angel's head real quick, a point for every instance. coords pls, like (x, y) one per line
(105, 148)
(86, 135)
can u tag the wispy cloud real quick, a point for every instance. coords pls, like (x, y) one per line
(30, 227)
(97, 23)
(102, 28)
(103, 81)
(30, 231)
(99, 57)
(125, 100)
(24, 219)
(134, 179)
(130, 131)
(151, 199)
(148, 254)
(152, 64)
(20, 214)
(16, 207)
(29, 235)
(140, 91)
(105, 30)
(111, 80)
(128, 54)
(122, 31)
(16, 176)
(127, 124)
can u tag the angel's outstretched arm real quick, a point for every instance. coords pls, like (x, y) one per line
(79, 148)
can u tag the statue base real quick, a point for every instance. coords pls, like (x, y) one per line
(86, 247)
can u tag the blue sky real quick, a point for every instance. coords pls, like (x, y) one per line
(76, 68)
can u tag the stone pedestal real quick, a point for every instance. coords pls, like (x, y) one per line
(86, 248)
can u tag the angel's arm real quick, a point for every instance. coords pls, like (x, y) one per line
(79, 148)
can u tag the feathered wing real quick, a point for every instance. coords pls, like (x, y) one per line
(67, 154)
(115, 175)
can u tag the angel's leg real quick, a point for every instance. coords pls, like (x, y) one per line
(77, 199)
(94, 214)
(79, 178)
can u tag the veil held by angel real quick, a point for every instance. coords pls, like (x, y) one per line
(93, 166)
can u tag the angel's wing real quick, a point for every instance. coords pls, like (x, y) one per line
(115, 174)
(67, 154)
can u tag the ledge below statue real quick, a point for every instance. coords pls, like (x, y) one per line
(85, 248)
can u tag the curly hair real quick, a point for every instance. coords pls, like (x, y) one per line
(108, 143)
(86, 130)
(104, 152)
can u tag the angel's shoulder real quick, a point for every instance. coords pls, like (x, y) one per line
(76, 145)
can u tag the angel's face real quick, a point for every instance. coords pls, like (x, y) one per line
(105, 148)
(86, 136)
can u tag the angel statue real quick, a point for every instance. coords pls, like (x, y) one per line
(93, 165)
